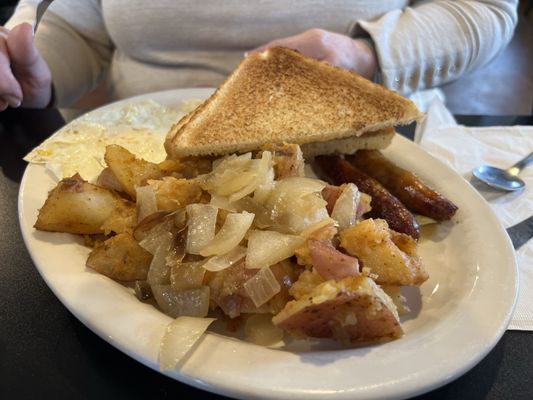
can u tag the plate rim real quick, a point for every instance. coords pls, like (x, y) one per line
(227, 389)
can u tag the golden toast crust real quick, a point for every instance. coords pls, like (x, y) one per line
(281, 96)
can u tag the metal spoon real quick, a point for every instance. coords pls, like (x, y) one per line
(504, 179)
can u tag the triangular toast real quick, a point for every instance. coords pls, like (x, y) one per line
(279, 96)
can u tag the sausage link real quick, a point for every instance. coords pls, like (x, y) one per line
(404, 185)
(384, 205)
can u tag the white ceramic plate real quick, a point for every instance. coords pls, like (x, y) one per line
(458, 316)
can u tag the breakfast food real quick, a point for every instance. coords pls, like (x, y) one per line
(249, 236)
(79, 147)
(384, 204)
(404, 185)
(281, 96)
(229, 225)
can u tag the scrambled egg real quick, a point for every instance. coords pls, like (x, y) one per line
(79, 147)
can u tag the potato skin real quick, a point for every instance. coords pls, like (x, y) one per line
(76, 206)
(350, 310)
(120, 257)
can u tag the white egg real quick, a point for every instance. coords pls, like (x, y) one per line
(79, 147)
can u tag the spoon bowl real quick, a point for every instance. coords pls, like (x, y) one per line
(498, 178)
(504, 179)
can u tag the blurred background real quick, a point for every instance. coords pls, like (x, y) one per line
(503, 87)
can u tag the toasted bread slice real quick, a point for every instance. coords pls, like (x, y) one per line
(281, 96)
(367, 141)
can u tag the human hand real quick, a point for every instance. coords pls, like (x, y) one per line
(334, 48)
(24, 75)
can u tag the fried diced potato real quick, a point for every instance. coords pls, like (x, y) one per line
(352, 309)
(191, 167)
(123, 219)
(172, 193)
(129, 170)
(121, 257)
(168, 167)
(108, 180)
(389, 255)
(76, 206)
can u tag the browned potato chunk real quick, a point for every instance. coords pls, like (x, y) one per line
(168, 167)
(350, 310)
(288, 159)
(390, 255)
(108, 180)
(76, 206)
(121, 257)
(123, 219)
(129, 170)
(172, 193)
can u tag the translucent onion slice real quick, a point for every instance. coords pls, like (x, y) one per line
(219, 263)
(303, 213)
(161, 233)
(150, 223)
(262, 286)
(177, 303)
(222, 203)
(235, 177)
(159, 272)
(266, 248)
(262, 215)
(228, 175)
(294, 202)
(187, 275)
(179, 338)
(292, 188)
(259, 171)
(146, 202)
(201, 221)
(260, 330)
(176, 252)
(345, 209)
(230, 235)
(231, 163)
(180, 218)
(263, 190)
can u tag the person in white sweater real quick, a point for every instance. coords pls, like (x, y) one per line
(134, 46)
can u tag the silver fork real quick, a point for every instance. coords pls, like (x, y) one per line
(41, 8)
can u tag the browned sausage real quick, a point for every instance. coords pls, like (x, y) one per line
(384, 205)
(405, 185)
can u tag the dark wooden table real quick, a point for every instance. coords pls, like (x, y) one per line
(45, 352)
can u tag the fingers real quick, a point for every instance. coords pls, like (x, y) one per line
(28, 67)
(333, 48)
(20, 45)
(264, 47)
(310, 43)
(10, 89)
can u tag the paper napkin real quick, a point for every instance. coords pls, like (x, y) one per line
(464, 148)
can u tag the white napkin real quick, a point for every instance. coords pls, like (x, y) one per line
(464, 148)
